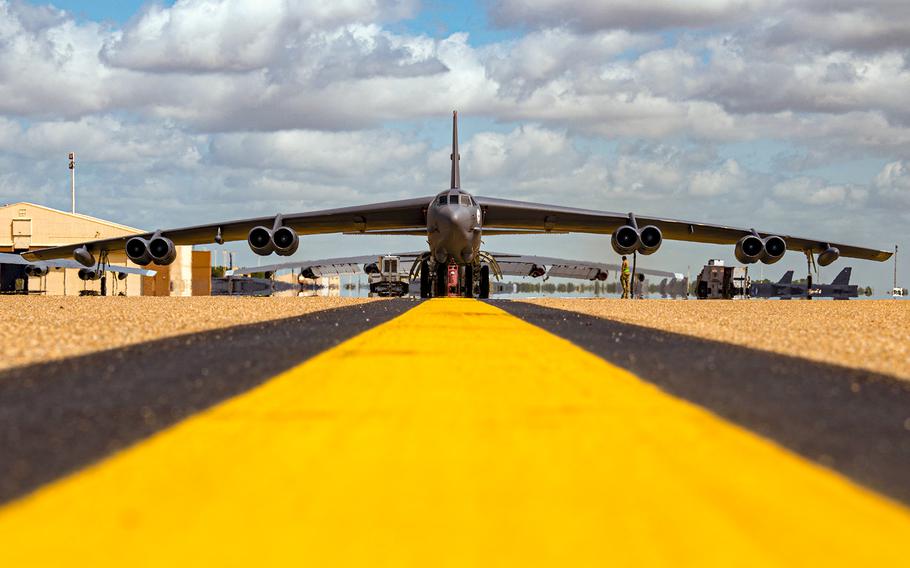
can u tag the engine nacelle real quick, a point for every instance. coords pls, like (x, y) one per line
(162, 250)
(371, 268)
(650, 238)
(84, 257)
(285, 240)
(626, 240)
(749, 249)
(121, 275)
(775, 247)
(137, 250)
(89, 274)
(829, 255)
(260, 241)
(537, 271)
(600, 276)
(36, 271)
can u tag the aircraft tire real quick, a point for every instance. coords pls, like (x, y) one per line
(484, 291)
(425, 291)
(469, 281)
(440, 280)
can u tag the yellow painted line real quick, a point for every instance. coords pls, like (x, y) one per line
(454, 435)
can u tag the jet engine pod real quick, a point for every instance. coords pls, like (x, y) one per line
(749, 249)
(626, 240)
(84, 257)
(260, 241)
(775, 247)
(137, 250)
(650, 238)
(371, 268)
(36, 270)
(162, 250)
(537, 271)
(89, 274)
(121, 275)
(828, 256)
(600, 276)
(285, 240)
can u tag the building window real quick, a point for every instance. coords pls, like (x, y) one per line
(22, 212)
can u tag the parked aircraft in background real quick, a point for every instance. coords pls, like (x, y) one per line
(839, 289)
(453, 223)
(502, 264)
(42, 267)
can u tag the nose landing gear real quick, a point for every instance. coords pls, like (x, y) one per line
(438, 280)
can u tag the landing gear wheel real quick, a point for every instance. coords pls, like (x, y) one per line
(440, 281)
(484, 291)
(468, 281)
(425, 279)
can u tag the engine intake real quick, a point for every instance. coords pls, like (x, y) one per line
(650, 238)
(600, 276)
(626, 240)
(285, 240)
(775, 247)
(36, 270)
(260, 241)
(537, 271)
(749, 249)
(137, 250)
(162, 250)
(829, 255)
(89, 274)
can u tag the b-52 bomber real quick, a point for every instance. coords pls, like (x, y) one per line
(839, 288)
(454, 222)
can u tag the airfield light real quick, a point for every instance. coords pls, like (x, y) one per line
(72, 157)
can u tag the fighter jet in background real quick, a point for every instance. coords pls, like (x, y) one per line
(453, 223)
(839, 289)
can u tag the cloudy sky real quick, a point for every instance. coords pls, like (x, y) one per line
(789, 116)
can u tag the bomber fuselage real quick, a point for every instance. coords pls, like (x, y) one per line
(454, 227)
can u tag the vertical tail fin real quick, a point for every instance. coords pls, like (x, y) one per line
(844, 277)
(787, 278)
(456, 173)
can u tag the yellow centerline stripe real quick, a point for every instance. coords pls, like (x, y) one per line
(455, 434)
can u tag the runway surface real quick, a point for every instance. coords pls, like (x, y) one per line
(457, 433)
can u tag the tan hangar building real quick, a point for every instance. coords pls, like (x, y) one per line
(28, 226)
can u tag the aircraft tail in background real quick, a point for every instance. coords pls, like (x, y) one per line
(844, 277)
(787, 278)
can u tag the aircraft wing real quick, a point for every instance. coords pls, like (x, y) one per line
(8, 258)
(391, 215)
(506, 214)
(500, 216)
(526, 265)
(341, 265)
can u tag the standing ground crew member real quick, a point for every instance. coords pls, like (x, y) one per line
(624, 278)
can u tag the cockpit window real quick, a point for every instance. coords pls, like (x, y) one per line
(442, 200)
(453, 200)
(465, 200)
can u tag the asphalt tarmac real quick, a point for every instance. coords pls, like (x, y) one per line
(459, 434)
(856, 422)
(58, 416)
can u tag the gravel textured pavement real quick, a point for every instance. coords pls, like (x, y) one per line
(40, 329)
(864, 334)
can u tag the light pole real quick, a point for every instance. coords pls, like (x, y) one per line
(73, 179)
